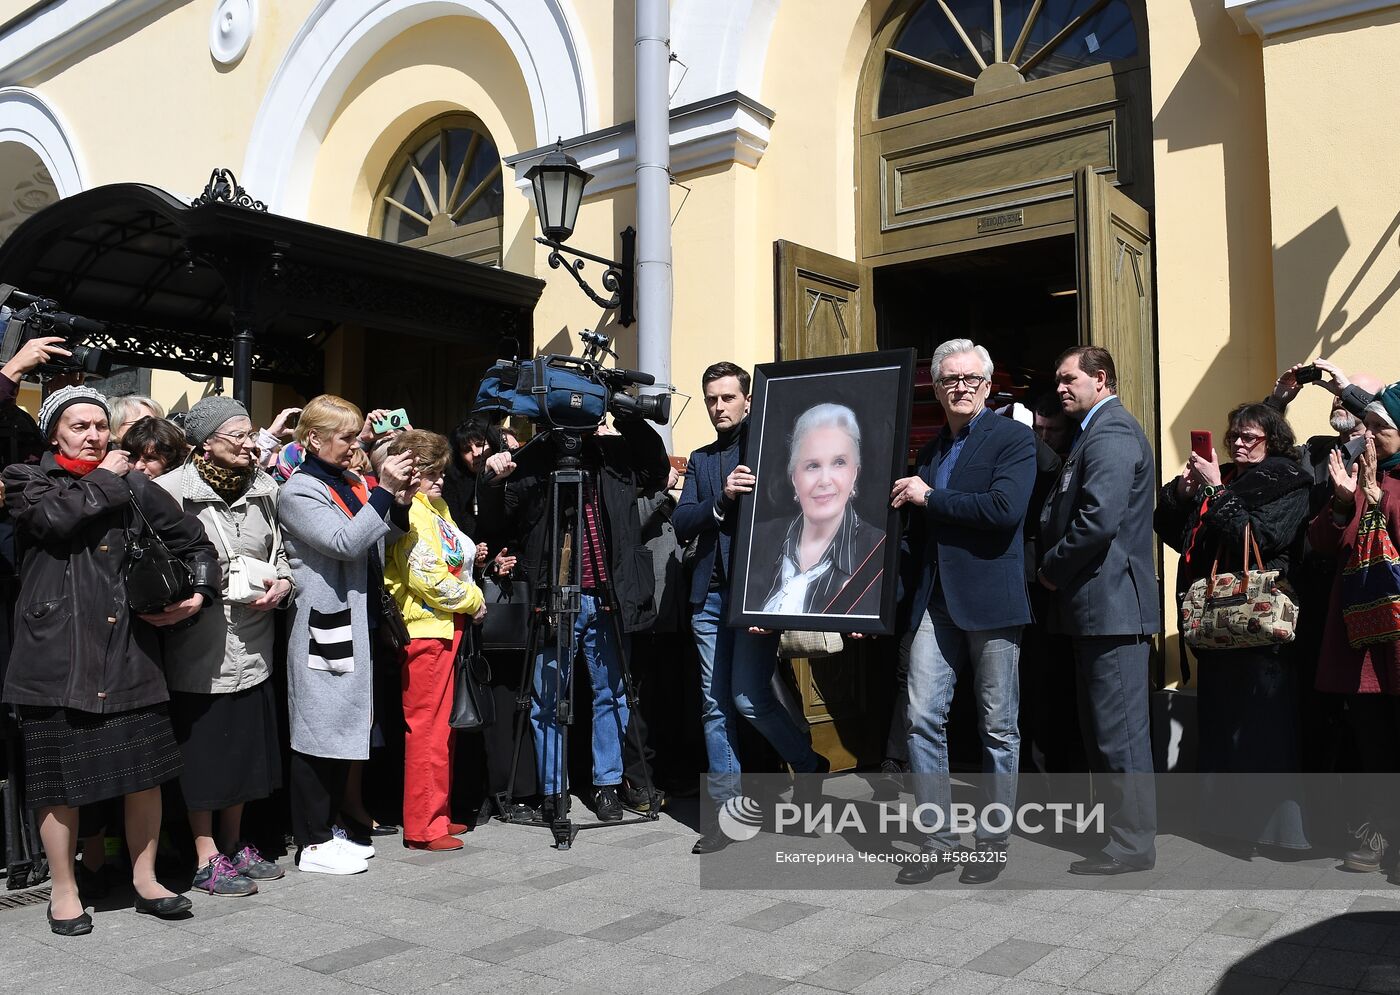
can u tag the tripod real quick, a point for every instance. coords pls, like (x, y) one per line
(555, 615)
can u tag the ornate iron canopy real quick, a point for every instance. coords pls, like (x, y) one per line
(198, 288)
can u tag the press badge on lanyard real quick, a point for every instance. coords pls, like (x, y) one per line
(1064, 477)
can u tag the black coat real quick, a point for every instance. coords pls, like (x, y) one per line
(629, 465)
(76, 644)
(1270, 496)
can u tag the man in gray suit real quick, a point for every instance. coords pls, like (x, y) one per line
(1096, 533)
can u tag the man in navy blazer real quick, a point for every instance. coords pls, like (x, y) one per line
(736, 667)
(967, 510)
(1098, 556)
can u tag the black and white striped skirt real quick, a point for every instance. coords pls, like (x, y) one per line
(75, 758)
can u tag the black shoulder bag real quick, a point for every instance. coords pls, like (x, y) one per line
(472, 704)
(155, 577)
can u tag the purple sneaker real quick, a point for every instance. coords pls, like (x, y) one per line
(251, 864)
(219, 877)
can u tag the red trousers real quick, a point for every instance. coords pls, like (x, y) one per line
(427, 705)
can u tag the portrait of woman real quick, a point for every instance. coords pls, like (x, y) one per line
(812, 543)
(830, 560)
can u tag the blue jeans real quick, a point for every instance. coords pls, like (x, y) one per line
(940, 652)
(736, 678)
(593, 633)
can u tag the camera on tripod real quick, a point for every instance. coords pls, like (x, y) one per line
(39, 317)
(571, 393)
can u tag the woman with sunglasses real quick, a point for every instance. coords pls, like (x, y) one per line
(1247, 699)
(221, 701)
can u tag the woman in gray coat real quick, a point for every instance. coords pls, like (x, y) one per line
(222, 705)
(334, 529)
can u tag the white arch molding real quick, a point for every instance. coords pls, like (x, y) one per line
(724, 46)
(28, 120)
(340, 37)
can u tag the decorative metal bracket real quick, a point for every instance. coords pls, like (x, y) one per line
(223, 188)
(618, 279)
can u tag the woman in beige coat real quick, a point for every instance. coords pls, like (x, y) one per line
(221, 701)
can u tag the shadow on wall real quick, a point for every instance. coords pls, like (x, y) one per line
(1357, 951)
(1208, 107)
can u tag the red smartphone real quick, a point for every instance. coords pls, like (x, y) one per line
(1201, 444)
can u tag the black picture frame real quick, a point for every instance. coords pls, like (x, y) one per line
(856, 589)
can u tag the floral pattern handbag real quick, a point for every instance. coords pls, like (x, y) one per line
(1232, 611)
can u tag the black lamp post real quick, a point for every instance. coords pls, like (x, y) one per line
(558, 181)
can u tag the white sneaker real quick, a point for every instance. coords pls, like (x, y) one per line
(331, 858)
(362, 850)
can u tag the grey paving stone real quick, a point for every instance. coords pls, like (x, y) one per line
(1244, 922)
(1338, 968)
(1374, 909)
(639, 841)
(851, 971)
(500, 951)
(355, 956)
(776, 916)
(1274, 960)
(919, 907)
(1234, 983)
(461, 887)
(1009, 957)
(1381, 978)
(633, 925)
(566, 875)
(1064, 965)
(1121, 975)
(207, 960)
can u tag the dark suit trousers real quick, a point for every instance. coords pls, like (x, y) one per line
(1113, 714)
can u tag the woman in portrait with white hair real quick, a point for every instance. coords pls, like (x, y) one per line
(128, 409)
(829, 561)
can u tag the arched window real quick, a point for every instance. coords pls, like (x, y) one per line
(953, 48)
(443, 191)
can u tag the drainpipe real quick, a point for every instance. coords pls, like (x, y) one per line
(653, 115)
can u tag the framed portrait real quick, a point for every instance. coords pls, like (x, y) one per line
(817, 544)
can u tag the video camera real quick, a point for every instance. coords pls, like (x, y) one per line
(569, 392)
(39, 317)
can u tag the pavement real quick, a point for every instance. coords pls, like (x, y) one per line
(623, 911)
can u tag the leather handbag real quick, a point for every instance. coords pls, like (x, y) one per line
(473, 706)
(507, 622)
(1232, 611)
(247, 575)
(1371, 584)
(155, 577)
(392, 632)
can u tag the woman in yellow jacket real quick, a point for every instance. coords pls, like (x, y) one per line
(429, 574)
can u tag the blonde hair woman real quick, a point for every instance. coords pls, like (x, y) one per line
(335, 529)
(429, 573)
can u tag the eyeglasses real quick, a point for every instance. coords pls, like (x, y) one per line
(1250, 439)
(235, 438)
(972, 380)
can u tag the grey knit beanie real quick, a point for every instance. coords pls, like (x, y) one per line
(60, 400)
(206, 417)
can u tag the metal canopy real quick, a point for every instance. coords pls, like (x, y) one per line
(222, 287)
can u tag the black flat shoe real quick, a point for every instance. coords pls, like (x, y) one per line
(1104, 865)
(78, 926)
(163, 908)
(383, 830)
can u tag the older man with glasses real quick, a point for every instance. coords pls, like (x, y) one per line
(967, 504)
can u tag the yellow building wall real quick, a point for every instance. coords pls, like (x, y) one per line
(1334, 142)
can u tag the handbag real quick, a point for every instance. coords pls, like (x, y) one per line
(507, 622)
(392, 631)
(796, 644)
(155, 577)
(473, 706)
(1229, 611)
(1371, 584)
(246, 574)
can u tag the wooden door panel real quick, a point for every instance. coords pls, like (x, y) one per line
(1113, 241)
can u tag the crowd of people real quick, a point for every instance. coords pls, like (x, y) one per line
(331, 570)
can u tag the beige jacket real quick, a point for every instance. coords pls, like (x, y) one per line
(229, 650)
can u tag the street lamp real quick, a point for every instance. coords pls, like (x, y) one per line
(557, 181)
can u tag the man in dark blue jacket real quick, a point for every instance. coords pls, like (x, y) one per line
(967, 506)
(736, 667)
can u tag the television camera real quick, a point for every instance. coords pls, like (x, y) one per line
(33, 317)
